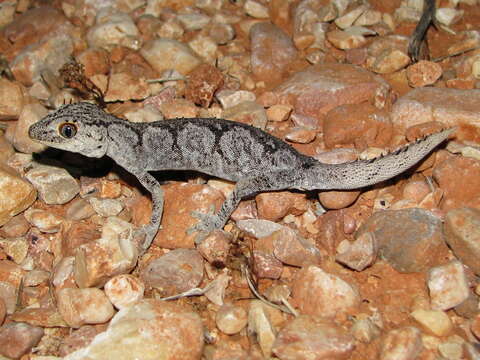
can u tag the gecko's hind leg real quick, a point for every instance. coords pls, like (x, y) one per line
(149, 230)
(244, 188)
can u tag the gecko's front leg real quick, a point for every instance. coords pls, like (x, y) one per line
(155, 189)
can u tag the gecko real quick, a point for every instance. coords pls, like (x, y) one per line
(255, 160)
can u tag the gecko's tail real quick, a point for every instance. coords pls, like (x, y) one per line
(361, 173)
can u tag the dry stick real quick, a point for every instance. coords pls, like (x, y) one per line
(418, 35)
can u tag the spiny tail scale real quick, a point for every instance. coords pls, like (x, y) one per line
(361, 173)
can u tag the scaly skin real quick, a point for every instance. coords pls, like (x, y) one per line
(255, 160)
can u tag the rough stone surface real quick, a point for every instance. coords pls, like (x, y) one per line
(11, 99)
(454, 171)
(175, 272)
(319, 89)
(319, 293)
(54, 185)
(17, 339)
(402, 344)
(448, 285)
(449, 106)
(16, 194)
(155, 329)
(84, 306)
(308, 337)
(165, 54)
(272, 51)
(462, 233)
(411, 240)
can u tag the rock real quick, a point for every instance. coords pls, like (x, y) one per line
(16, 194)
(279, 112)
(436, 322)
(277, 293)
(388, 62)
(113, 29)
(16, 249)
(345, 40)
(307, 337)
(448, 285)
(291, 249)
(365, 330)
(231, 319)
(360, 254)
(43, 317)
(45, 221)
(452, 107)
(94, 60)
(454, 171)
(335, 200)
(276, 205)
(203, 82)
(301, 135)
(10, 278)
(448, 16)
(166, 54)
(247, 112)
(259, 323)
(411, 240)
(272, 51)
(15, 227)
(216, 289)
(356, 124)
(347, 19)
(320, 88)
(124, 290)
(180, 200)
(48, 54)
(258, 228)
(79, 209)
(17, 339)
(124, 86)
(55, 185)
(6, 149)
(79, 338)
(113, 254)
(215, 247)
(256, 9)
(175, 272)
(106, 207)
(462, 232)
(193, 21)
(30, 114)
(230, 98)
(178, 108)
(100, 188)
(402, 344)
(319, 293)
(11, 99)
(265, 263)
(221, 33)
(3, 311)
(423, 73)
(154, 328)
(84, 306)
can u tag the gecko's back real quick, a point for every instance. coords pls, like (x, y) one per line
(218, 147)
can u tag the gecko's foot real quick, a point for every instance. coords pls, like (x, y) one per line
(208, 222)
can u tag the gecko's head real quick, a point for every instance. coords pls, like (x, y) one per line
(76, 127)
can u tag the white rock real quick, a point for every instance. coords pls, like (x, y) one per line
(448, 16)
(113, 30)
(255, 9)
(124, 290)
(402, 344)
(230, 98)
(55, 185)
(448, 285)
(166, 54)
(259, 324)
(106, 207)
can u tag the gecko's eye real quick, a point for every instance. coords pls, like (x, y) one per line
(68, 130)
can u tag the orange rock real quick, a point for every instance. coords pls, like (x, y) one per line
(459, 178)
(180, 200)
(275, 206)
